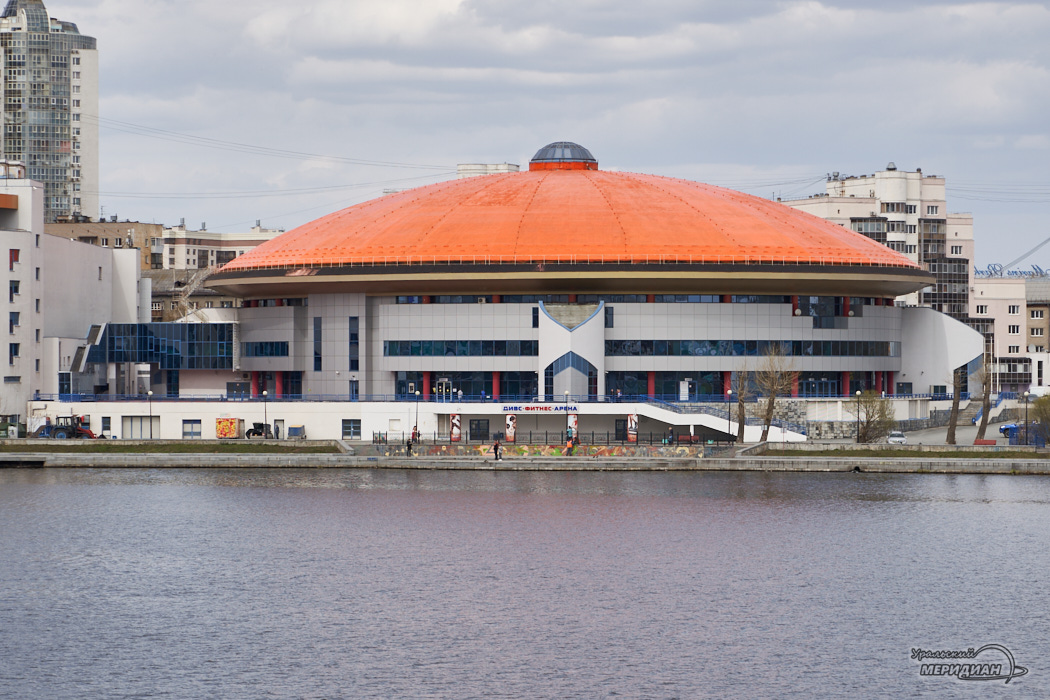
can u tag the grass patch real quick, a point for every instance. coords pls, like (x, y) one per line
(187, 447)
(902, 454)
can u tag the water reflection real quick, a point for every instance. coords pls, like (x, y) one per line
(389, 583)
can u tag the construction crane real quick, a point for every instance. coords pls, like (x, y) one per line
(1010, 264)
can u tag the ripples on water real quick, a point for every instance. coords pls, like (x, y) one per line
(373, 583)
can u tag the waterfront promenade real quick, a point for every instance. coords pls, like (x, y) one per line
(806, 457)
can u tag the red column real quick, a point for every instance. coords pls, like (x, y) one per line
(650, 298)
(652, 384)
(255, 384)
(278, 381)
(794, 386)
(495, 386)
(845, 306)
(727, 298)
(889, 384)
(878, 382)
(845, 384)
(496, 298)
(572, 298)
(279, 302)
(794, 304)
(727, 381)
(426, 386)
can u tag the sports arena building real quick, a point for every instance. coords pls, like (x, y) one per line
(613, 297)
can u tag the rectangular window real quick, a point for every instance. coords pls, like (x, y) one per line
(12, 321)
(1037, 332)
(12, 289)
(14, 253)
(982, 309)
(351, 428)
(1013, 330)
(38, 274)
(608, 317)
(535, 317)
(1013, 309)
(12, 353)
(1013, 349)
(956, 250)
(36, 365)
(191, 430)
(317, 343)
(932, 209)
(354, 345)
(1037, 313)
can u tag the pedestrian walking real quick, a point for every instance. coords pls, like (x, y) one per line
(497, 451)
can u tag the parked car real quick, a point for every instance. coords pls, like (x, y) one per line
(897, 438)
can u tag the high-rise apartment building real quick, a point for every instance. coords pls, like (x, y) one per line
(50, 107)
(906, 211)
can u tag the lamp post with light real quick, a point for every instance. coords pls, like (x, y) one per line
(415, 426)
(149, 398)
(729, 420)
(858, 416)
(266, 418)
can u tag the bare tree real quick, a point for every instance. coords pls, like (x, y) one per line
(742, 385)
(774, 378)
(953, 417)
(875, 416)
(984, 378)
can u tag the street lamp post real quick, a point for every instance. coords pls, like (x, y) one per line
(415, 426)
(1026, 395)
(729, 419)
(566, 397)
(266, 418)
(858, 416)
(149, 395)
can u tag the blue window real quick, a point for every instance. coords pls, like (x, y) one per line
(317, 343)
(276, 348)
(354, 345)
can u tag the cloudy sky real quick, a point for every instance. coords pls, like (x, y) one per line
(333, 101)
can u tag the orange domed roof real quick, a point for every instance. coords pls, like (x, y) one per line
(573, 215)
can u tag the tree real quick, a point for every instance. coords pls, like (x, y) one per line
(876, 418)
(774, 378)
(953, 417)
(742, 385)
(984, 379)
(1039, 416)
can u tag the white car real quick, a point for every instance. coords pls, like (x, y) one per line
(897, 438)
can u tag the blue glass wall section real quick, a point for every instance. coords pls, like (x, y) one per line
(171, 346)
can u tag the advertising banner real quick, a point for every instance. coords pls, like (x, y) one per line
(457, 433)
(632, 427)
(512, 427)
(571, 427)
